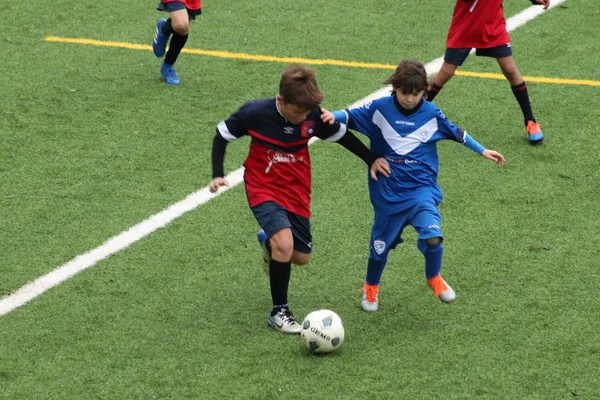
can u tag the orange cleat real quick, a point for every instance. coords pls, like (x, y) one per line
(535, 132)
(441, 289)
(370, 298)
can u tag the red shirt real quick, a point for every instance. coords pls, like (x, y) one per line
(477, 24)
(190, 4)
(278, 164)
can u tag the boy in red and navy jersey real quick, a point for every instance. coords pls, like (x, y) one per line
(181, 13)
(277, 174)
(480, 24)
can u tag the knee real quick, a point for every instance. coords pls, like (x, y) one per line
(433, 241)
(282, 247)
(446, 72)
(429, 245)
(511, 73)
(181, 27)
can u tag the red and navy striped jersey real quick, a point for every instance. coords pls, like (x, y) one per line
(477, 24)
(278, 164)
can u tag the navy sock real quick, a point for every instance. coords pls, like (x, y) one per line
(433, 257)
(433, 91)
(375, 270)
(279, 278)
(520, 92)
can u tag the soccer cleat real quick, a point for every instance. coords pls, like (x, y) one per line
(266, 256)
(284, 321)
(168, 74)
(534, 132)
(441, 289)
(159, 44)
(370, 298)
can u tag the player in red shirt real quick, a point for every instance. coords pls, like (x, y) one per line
(480, 24)
(277, 174)
(178, 25)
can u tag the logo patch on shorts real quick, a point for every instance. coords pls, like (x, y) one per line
(379, 246)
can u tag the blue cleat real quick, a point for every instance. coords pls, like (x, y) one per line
(168, 74)
(534, 132)
(159, 44)
(266, 256)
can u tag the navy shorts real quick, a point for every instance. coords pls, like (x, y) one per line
(386, 233)
(458, 56)
(272, 218)
(176, 6)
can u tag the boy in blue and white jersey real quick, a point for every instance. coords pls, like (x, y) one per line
(404, 128)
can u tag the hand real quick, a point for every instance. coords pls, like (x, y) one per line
(545, 3)
(494, 156)
(327, 117)
(216, 183)
(381, 166)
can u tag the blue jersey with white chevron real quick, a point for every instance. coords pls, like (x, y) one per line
(407, 139)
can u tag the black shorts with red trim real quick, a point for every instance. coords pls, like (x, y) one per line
(272, 218)
(176, 6)
(458, 56)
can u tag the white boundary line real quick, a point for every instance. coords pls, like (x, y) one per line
(194, 200)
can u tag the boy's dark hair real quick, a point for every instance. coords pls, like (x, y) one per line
(298, 86)
(410, 77)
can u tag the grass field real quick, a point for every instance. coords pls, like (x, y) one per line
(93, 143)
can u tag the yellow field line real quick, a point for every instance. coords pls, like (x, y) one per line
(559, 81)
(308, 61)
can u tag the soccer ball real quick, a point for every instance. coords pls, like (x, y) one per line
(322, 331)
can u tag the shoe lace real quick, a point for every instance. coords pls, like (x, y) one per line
(287, 317)
(533, 127)
(371, 292)
(438, 286)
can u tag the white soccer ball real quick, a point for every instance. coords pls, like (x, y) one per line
(322, 331)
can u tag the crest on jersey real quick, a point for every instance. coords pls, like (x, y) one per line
(379, 246)
(308, 128)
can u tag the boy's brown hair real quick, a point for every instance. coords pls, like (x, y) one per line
(410, 77)
(298, 86)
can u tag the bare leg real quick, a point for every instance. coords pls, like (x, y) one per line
(440, 79)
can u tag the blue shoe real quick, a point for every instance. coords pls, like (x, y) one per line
(534, 132)
(266, 256)
(168, 74)
(159, 44)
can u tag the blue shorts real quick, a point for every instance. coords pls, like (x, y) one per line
(272, 218)
(176, 6)
(458, 56)
(386, 233)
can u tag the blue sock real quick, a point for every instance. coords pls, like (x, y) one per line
(374, 270)
(433, 257)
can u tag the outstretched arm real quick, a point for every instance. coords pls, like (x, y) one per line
(494, 156)
(218, 158)
(489, 154)
(330, 117)
(376, 165)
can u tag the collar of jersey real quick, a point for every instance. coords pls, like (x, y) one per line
(404, 111)
(277, 107)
